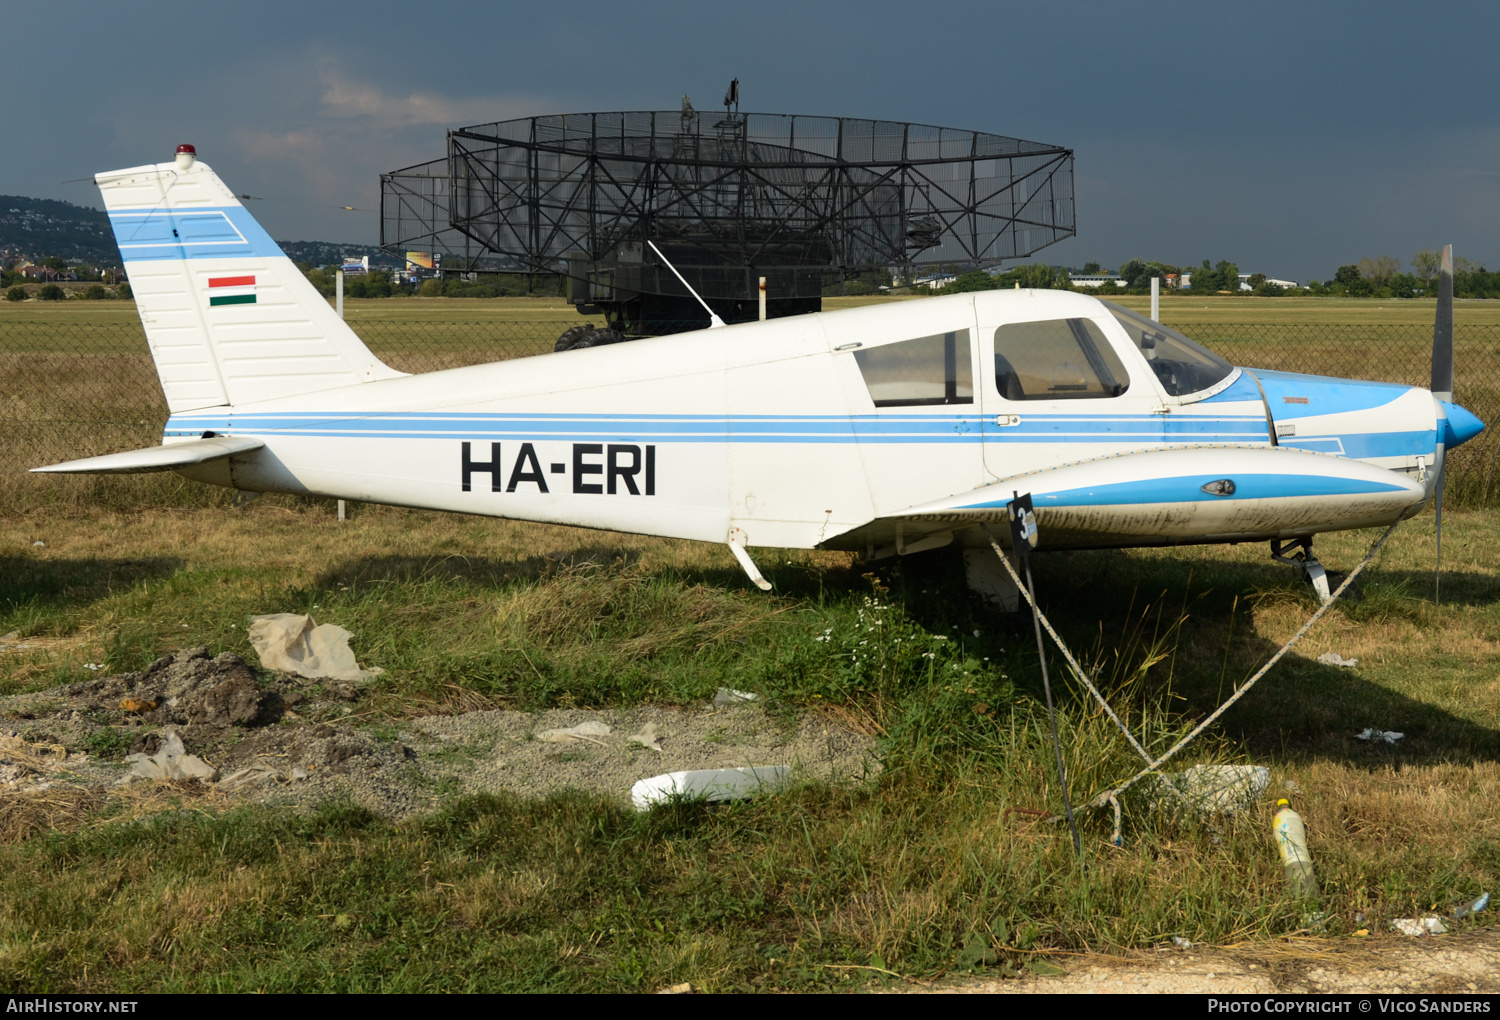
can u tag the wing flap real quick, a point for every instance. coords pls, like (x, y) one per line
(154, 458)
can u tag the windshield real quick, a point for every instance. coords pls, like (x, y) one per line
(1182, 366)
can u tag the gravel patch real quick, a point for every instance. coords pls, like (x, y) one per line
(1456, 964)
(281, 739)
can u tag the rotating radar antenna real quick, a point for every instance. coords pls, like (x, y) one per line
(726, 198)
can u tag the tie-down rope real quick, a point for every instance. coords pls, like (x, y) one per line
(1111, 796)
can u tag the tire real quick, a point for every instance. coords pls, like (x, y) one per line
(574, 338)
(600, 337)
(594, 338)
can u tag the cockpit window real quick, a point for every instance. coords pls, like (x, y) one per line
(934, 369)
(1056, 359)
(1182, 366)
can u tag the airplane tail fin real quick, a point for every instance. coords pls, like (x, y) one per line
(229, 318)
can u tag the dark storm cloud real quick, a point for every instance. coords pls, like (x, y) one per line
(1290, 138)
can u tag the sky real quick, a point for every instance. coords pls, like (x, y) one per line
(1290, 138)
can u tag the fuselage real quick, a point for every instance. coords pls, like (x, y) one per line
(814, 430)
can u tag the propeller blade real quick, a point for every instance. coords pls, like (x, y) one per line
(1437, 579)
(1442, 388)
(1442, 331)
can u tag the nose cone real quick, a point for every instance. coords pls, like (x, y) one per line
(1460, 425)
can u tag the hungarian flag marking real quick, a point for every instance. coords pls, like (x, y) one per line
(231, 290)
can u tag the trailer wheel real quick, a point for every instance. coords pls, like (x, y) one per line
(576, 337)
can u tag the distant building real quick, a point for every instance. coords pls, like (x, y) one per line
(1097, 280)
(934, 282)
(1187, 282)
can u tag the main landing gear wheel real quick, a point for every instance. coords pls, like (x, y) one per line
(587, 335)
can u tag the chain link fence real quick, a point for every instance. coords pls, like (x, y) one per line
(79, 390)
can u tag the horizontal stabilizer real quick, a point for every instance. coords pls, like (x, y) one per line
(155, 458)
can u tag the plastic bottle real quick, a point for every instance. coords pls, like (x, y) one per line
(1291, 840)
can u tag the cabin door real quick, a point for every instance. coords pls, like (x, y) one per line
(1057, 391)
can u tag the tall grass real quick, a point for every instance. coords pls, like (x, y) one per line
(946, 857)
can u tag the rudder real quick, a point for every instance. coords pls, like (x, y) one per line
(229, 318)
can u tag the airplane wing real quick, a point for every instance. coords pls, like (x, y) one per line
(1166, 497)
(155, 458)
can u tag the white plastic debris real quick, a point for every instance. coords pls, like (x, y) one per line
(1335, 659)
(1181, 943)
(730, 696)
(93, 665)
(39, 544)
(587, 731)
(293, 643)
(171, 761)
(710, 785)
(1418, 927)
(1219, 789)
(648, 737)
(1387, 736)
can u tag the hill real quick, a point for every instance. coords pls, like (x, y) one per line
(327, 253)
(38, 228)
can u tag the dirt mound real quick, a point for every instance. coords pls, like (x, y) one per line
(188, 688)
(284, 739)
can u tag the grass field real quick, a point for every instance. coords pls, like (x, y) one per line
(924, 871)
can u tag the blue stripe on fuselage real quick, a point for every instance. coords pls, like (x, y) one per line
(739, 428)
(1189, 489)
(1136, 430)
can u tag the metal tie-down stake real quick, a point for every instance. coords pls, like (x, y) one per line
(1023, 539)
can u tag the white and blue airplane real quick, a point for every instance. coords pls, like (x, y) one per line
(887, 430)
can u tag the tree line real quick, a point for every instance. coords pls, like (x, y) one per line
(378, 284)
(1382, 277)
(1379, 277)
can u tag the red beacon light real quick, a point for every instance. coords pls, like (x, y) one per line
(186, 154)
